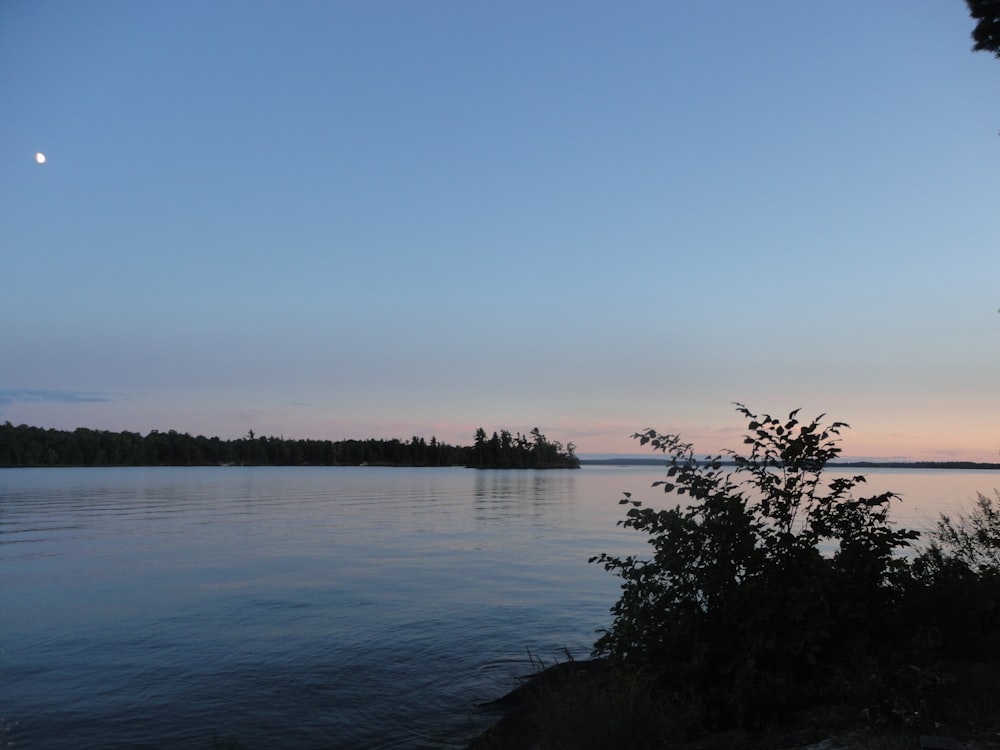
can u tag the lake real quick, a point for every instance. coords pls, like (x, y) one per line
(312, 607)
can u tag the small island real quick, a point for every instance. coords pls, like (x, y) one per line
(533, 451)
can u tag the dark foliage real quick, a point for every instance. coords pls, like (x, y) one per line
(35, 446)
(770, 589)
(986, 34)
(956, 589)
(533, 451)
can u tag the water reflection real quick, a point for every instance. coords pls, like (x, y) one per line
(503, 494)
(314, 607)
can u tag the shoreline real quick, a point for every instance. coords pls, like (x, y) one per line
(950, 465)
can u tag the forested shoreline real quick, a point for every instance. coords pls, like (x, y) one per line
(504, 450)
(26, 446)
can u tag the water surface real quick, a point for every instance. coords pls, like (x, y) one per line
(310, 607)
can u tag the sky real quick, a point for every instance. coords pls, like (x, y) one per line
(391, 219)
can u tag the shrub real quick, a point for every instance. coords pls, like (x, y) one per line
(956, 593)
(770, 588)
(972, 539)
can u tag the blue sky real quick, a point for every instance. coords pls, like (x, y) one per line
(384, 219)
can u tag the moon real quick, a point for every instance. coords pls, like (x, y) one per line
(40, 157)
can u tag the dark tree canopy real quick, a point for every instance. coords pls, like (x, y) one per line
(986, 35)
(532, 451)
(35, 446)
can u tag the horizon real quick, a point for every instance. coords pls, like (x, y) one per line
(332, 219)
(650, 456)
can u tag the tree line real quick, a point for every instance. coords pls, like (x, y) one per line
(24, 446)
(533, 451)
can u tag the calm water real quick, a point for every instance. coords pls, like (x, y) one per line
(309, 607)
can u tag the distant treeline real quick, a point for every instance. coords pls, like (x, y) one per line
(627, 461)
(24, 446)
(914, 465)
(506, 451)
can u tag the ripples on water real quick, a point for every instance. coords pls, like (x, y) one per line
(308, 607)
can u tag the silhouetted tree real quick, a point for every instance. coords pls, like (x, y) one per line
(505, 451)
(986, 35)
